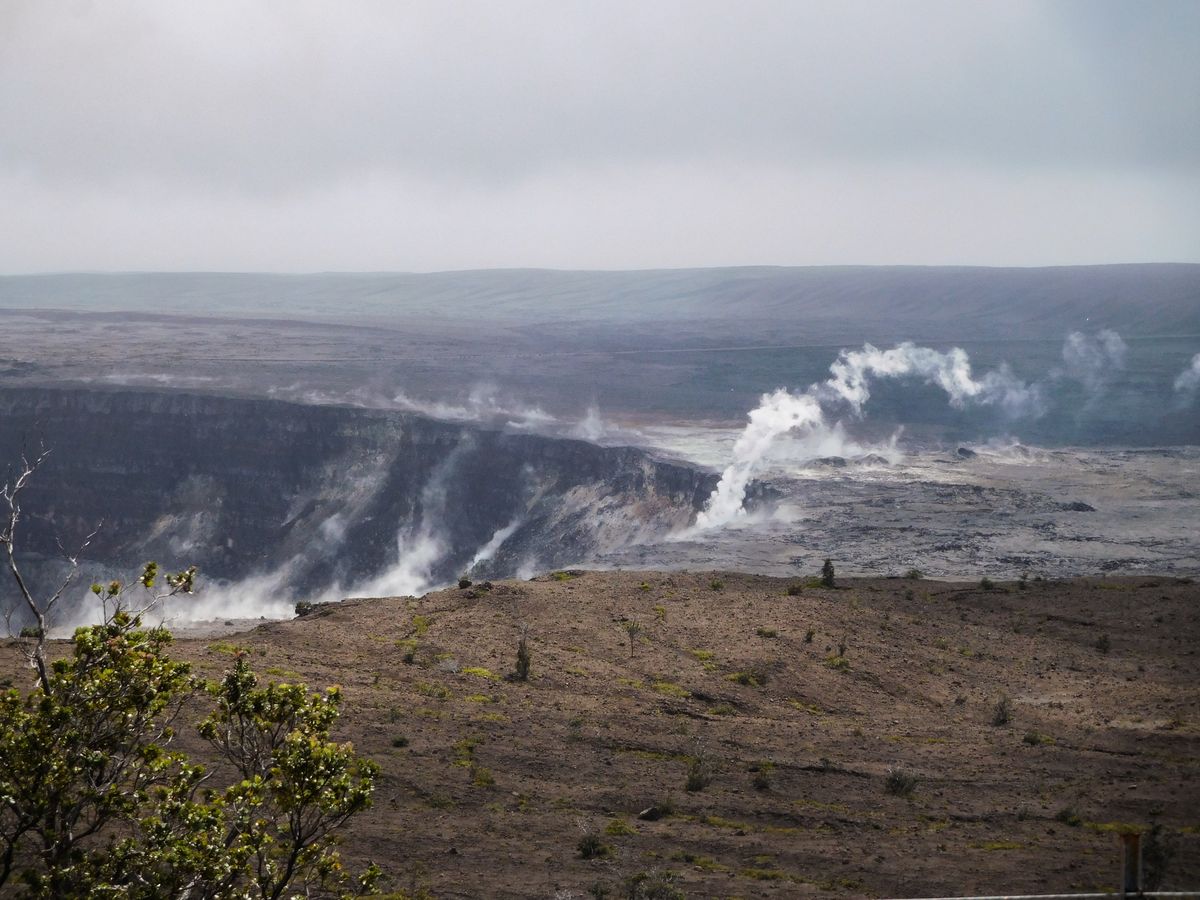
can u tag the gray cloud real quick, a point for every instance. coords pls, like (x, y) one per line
(294, 135)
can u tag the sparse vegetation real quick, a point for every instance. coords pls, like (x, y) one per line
(1068, 816)
(619, 828)
(914, 575)
(521, 672)
(1002, 712)
(592, 846)
(900, 782)
(762, 775)
(699, 773)
(634, 630)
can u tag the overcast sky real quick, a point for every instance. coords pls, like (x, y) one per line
(288, 135)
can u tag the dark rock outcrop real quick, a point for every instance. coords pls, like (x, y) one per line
(244, 486)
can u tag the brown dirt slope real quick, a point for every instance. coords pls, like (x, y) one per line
(488, 786)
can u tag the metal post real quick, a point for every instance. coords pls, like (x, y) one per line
(1131, 864)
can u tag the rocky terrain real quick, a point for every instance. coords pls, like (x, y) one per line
(759, 736)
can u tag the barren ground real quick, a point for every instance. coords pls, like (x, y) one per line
(488, 785)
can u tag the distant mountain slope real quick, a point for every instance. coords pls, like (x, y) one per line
(949, 302)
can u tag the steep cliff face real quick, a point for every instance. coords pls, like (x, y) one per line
(328, 495)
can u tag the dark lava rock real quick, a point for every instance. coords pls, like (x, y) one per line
(1076, 506)
(966, 453)
(832, 462)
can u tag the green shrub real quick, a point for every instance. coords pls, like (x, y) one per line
(1068, 816)
(590, 846)
(899, 782)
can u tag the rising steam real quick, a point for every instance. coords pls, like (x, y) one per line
(1093, 361)
(809, 413)
(1188, 382)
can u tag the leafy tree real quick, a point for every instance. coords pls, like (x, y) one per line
(94, 800)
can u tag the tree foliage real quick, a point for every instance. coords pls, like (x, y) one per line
(96, 801)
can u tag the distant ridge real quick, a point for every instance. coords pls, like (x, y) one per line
(1138, 299)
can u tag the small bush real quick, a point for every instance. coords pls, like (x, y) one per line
(1002, 712)
(523, 658)
(767, 633)
(794, 590)
(481, 777)
(1103, 643)
(986, 583)
(590, 846)
(1033, 738)
(1068, 816)
(699, 774)
(914, 574)
(827, 574)
(899, 782)
(809, 635)
(303, 608)
(653, 886)
(634, 630)
(716, 585)
(748, 679)
(762, 776)
(619, 828)
(464, 582)
(399, 741)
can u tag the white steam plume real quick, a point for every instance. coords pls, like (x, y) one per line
(483, 404)
(1092, 361)
(1188, 382)
(412, 573)
(591, 427)
(489, 550)
(782, 412)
